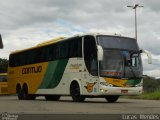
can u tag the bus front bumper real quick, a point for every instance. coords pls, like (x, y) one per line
(105, 90)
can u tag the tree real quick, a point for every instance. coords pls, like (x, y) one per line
(150, 84)
(3, 65)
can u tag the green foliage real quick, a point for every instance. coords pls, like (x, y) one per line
(3, 65)
(151, 96)
(150, 84)
(147, 96)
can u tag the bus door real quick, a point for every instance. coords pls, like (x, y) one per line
(90, 72)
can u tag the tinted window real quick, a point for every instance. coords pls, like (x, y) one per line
(118, 42)
(61, 50)
(3, 78)
(75, 47)
(90, 55)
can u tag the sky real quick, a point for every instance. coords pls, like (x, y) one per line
(25, 23)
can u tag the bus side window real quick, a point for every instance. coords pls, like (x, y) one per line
(3, 78)
(75, 47)
(39, 57)
(90, 55)
(64, 50)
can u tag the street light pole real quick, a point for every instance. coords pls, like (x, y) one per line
(135, 8)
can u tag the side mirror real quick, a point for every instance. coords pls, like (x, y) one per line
(1, 43)
(100, 52)
(148, 55)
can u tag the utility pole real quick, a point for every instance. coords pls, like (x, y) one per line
(135, 8)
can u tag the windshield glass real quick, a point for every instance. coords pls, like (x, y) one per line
(121, 64)
(112, 64)
(121, 57)
(117, 42)
(133, 64)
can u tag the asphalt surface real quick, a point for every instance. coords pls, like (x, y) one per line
(66, 106)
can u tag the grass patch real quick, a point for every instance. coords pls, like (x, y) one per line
(148, 96)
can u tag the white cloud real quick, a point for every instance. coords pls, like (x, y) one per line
(25, 23)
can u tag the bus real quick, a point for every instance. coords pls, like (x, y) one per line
(91, 65)
(3, 84)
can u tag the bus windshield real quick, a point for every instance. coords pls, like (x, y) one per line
(116, 42)
(121, 60)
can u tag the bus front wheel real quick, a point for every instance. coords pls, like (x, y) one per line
(112, 98)
(75, 93)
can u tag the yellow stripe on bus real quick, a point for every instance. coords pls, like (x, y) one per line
(116, 82)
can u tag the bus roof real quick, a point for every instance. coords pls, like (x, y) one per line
(41, 44)
(58, 39)
(51, 41)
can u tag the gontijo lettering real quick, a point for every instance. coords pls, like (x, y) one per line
(29, 70)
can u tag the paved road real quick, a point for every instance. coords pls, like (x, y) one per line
(90, 106)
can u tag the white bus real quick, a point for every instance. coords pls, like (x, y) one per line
(92, 65)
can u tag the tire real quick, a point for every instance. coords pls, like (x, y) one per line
(75, 93)
(19, 92)
(112, 99)
(52, 97)
(27, 96)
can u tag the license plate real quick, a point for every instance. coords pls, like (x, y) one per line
(124, 91)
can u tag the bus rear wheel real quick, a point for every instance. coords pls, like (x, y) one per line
(52, 97)
(75, 93)
(112, 98)
(27, 96)
(19, 92)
